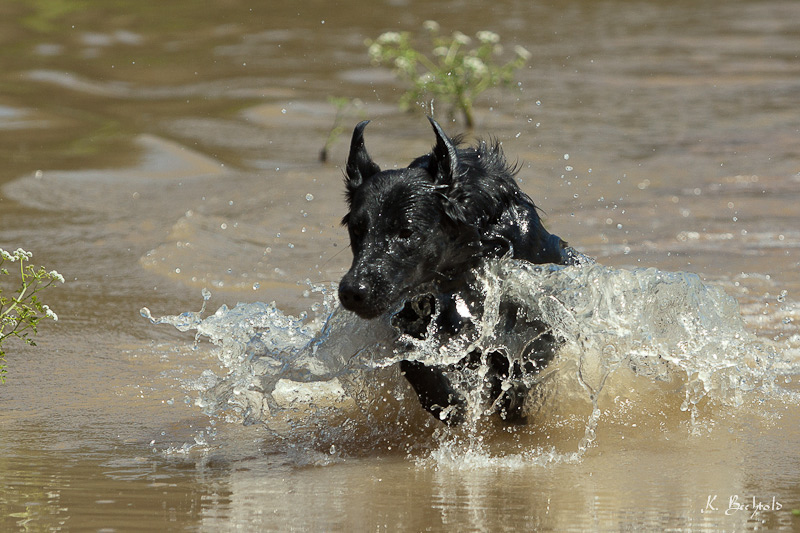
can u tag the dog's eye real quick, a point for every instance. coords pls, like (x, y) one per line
(405, 233)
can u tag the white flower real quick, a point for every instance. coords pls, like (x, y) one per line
(522, 52)
(486, 36)
(440, 51)
(7, 256)
(389, 37)
(431, 26)
(403, 63)
(21, 254)
(475, 65)
(56, 276)
(460, 38)
(49, 313)
(375, 51)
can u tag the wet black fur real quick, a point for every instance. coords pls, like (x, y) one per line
(432, 222)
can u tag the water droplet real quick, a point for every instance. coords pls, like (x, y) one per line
(309, 197)
(256, 285)
(566, 157)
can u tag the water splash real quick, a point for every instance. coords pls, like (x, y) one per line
(663, 326)
(335, 374)
(183, 322)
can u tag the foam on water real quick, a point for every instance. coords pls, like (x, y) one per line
(334, 373)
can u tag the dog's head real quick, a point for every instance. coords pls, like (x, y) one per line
(406, 226)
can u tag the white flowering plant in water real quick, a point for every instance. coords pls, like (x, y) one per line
(21, 313)
(456, 71)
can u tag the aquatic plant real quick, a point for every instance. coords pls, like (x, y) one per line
(456, 70)
(20, 315)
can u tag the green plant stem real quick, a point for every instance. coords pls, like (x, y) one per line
(18, 300)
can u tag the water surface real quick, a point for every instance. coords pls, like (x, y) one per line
(152, 150)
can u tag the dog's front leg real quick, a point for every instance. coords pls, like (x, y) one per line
(435, 392)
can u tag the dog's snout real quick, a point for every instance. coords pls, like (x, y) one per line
(354, 295)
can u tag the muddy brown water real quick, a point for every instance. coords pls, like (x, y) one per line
(154, 149)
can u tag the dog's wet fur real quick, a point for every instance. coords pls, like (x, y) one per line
(418, 232)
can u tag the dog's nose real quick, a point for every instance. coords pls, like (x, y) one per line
(353, 294)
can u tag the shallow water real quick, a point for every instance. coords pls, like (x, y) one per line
(151, 152)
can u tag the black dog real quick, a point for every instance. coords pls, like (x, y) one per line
(428, 225)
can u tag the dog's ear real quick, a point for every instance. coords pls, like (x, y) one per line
(360, 165)
(444, 168)
(444, 162)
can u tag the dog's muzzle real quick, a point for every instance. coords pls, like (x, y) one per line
(356, 295)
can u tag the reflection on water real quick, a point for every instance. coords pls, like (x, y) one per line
(150, 151)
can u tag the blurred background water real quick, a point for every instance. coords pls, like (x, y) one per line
(154, 149)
